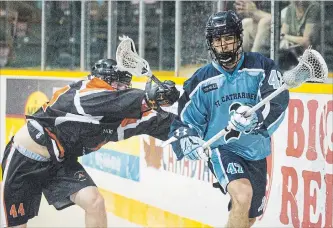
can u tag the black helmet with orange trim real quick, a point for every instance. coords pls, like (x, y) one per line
(107, 70)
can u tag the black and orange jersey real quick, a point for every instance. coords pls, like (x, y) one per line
(83, 116)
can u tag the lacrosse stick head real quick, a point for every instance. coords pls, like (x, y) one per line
(128, 59)
(311, 67)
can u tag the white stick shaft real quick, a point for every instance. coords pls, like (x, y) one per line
(215, 137)
(267, 99)
(252, 110)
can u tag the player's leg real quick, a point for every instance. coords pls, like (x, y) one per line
(240, 191)
(92, 202)
(231, 172)
(70, 184)
(256, 173)
(21, 189)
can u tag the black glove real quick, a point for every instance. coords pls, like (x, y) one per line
(157, 96)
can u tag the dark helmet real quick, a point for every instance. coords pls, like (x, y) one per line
(224, 23)
(106, 69)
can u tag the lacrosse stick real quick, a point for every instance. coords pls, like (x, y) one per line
(311, 67)
(129, 60)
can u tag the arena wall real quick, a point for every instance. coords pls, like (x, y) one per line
(143, 183)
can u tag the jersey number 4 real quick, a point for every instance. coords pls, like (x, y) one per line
(275, 79)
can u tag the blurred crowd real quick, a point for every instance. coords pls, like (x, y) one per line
(20, 34)
(300, 28)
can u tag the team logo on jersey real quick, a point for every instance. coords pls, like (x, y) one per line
(80, 175)
(233, 134)
(263, 203)
(209, 88)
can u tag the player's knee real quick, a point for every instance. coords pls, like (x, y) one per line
(96, 203)
(89, 199)
(241, 193)
(242, 199)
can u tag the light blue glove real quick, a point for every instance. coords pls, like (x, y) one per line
(241, 123)
(192, 148)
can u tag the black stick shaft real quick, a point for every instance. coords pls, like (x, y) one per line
(157, 81)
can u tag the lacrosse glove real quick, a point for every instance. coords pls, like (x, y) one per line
(240, 122)
(189, 145)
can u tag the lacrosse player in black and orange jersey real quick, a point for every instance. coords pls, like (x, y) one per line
(79, 119)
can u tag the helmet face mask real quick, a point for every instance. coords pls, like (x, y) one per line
(106, 69)
(224, 48)
(121, 80)
(224, 37)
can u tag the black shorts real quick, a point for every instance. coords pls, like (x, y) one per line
(228, 166)
(26, 177)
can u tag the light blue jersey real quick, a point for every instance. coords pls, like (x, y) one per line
(212, 93)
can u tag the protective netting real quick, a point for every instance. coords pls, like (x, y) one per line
(311, 67)
(129, 60)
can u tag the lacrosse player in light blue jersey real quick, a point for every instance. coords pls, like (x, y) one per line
(216, 96)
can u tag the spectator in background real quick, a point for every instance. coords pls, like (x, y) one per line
(300, 28)
(256, 23)
(8, 22)
(301, 23)
(4, 53)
